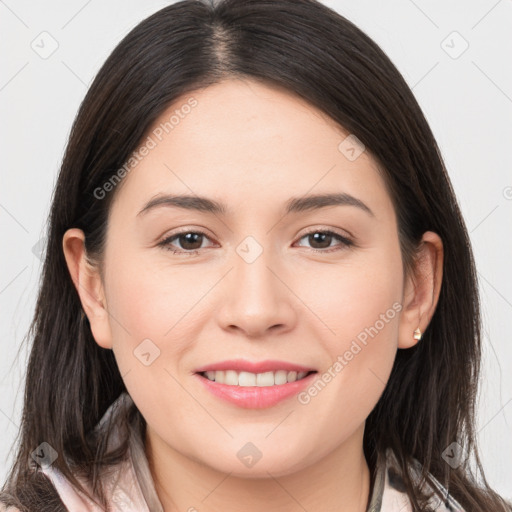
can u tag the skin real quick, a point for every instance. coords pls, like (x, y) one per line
(253, 147)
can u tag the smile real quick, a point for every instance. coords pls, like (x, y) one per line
(247, 379)
(255, 390)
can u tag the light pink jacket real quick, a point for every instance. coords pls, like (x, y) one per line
(130, 487)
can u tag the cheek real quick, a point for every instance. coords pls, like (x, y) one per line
(362, 294)
(154, 324)
(151, 313)
(361, 305)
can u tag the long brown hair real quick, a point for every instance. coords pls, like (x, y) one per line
(312, 51)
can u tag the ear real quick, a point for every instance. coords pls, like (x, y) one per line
(421, 289)
(89, 285)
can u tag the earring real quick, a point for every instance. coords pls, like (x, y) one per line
(417, 334)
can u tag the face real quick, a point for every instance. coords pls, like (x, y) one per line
(270, 277)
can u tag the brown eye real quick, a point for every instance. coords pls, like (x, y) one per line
(186, 242)
(189, 241)
(322, 240)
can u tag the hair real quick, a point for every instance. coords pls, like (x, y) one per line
(311, 51)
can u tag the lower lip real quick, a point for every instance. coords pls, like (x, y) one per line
(256, 397)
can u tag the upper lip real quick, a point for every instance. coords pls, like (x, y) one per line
(242, 365)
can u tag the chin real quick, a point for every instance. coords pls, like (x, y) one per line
(251, 464)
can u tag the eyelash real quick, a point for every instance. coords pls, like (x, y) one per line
(166, 243)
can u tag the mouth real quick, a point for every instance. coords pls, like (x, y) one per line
(249, 379)
(254, 385)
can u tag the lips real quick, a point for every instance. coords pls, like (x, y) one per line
(242, 365)
(254, 385)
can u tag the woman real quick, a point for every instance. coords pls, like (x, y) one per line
(252, 369)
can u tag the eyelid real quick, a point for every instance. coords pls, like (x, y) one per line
(166, 240)
(347, 241)
(326, 229)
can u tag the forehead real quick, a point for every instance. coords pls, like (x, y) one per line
(243, 140)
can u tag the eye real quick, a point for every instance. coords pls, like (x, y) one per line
(190, 241)
(323, 238)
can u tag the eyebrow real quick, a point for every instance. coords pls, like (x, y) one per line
(293, 205)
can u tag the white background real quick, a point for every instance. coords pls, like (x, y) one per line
(467, 100)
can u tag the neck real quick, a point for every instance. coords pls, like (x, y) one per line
(338, 482)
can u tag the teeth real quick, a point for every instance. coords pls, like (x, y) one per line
(246, 379)
(233, 378)
(281, 377)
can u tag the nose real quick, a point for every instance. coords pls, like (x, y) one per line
(256, 299)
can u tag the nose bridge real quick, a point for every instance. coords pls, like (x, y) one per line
(256, 299)
(255, 283)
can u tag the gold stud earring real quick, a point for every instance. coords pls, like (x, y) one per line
(417, 334)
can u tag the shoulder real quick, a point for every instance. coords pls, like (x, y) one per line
(71, 497)
(394, 496)
(119, 484)
(35, 494)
